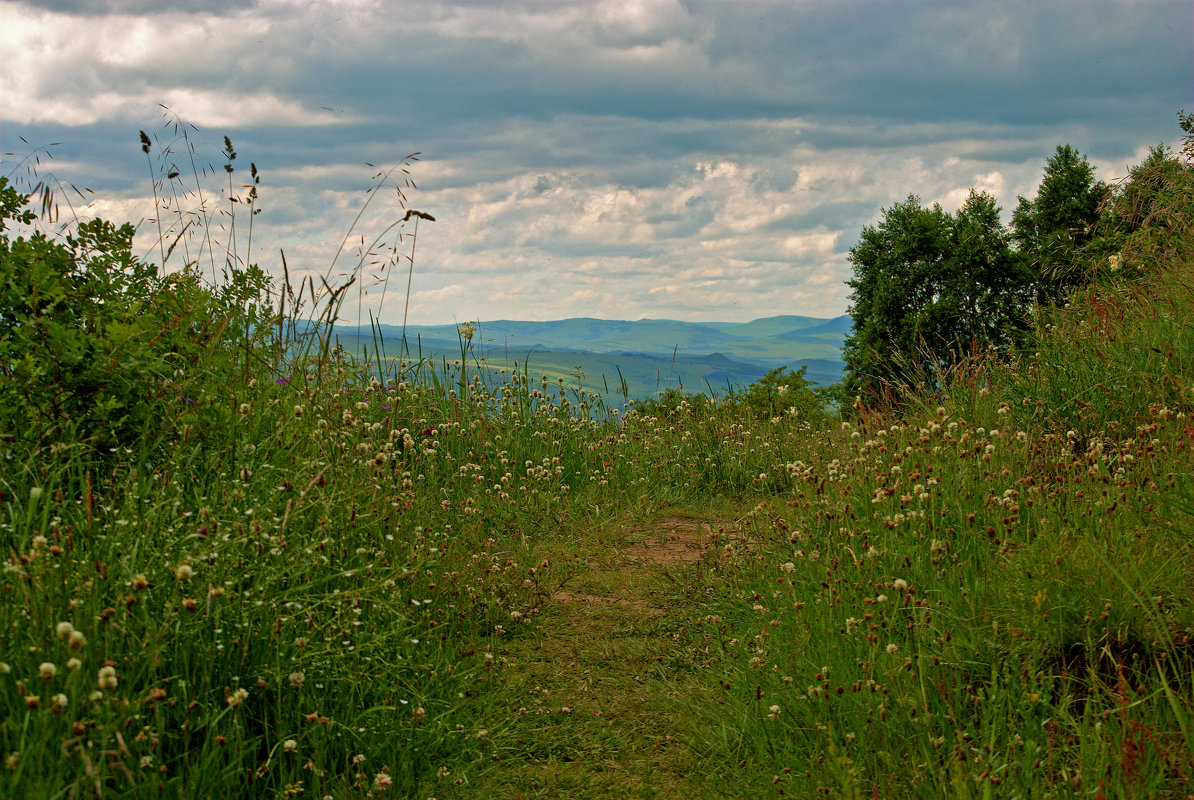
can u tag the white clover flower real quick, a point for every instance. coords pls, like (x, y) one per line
(46, 670)
(64, 630)
(183, 572)
(107, 677)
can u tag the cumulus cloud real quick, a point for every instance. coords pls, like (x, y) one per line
(696, 160)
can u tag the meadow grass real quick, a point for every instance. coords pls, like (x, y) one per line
(318, 575)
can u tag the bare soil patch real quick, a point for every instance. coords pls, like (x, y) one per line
(677, 541)
(670, 543)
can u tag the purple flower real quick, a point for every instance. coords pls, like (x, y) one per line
(282, 381)
(386, 406)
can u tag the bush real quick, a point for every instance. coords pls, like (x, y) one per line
(101, 345)
(781, 392)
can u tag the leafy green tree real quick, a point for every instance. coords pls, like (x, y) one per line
(894, 263)
(1052, 228)
(928, 287)
(986, 292)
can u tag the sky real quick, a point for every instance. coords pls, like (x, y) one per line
(701, 161)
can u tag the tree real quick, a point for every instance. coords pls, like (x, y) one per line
(928, 287)
(1051, 229)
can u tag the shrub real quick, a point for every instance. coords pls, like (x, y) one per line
(96, 342)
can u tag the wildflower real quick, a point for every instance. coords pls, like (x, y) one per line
(64, 630)
(244, 409)
(296, 679)
(892, 649)
(61, 701)
(382, 781)
(46, 670)
(357, 759)
(290, 745)
(107, 677)
(76, 641)
(183, 572)
(140, 582)
(900, 584)
(237, 697)
(73, 663)
(774, 712)
(32, 702)
(39, 542)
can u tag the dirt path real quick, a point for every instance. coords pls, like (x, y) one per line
(596, 692)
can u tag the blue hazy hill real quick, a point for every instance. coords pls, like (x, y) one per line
(650, 355)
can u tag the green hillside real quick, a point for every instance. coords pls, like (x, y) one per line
(649, 355)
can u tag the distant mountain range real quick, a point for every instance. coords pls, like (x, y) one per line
(650, 355)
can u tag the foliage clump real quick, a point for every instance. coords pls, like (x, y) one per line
(97, 345)
(931, 288)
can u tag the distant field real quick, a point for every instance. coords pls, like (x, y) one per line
(650, 356)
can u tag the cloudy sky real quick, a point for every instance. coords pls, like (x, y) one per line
(683, 160)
